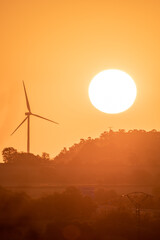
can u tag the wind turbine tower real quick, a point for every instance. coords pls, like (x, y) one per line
(28, 115)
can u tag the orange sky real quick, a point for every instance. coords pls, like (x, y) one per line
(57, 47)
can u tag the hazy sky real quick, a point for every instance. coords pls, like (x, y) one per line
(57, 47)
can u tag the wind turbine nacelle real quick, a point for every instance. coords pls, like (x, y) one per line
(27, 113)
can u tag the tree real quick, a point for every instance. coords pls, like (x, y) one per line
(9, 154)
(45, 156)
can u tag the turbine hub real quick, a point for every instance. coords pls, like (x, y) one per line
(27, 113)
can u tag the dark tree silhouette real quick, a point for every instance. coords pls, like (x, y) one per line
(45, 156)
(9, 154)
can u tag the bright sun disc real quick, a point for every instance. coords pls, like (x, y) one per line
(112, 91)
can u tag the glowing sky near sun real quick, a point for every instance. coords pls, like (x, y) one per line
(57, 47)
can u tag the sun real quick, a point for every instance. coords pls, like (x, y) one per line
(112, 91)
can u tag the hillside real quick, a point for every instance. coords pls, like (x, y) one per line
(116, 157)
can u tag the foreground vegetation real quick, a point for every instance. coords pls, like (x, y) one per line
(74, 216)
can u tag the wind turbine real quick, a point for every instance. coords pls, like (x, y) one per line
(28, 114)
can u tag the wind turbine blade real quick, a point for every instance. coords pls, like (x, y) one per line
(19, 125)
(44, 118)
(27, 102)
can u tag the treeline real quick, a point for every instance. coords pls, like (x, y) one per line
(116, 157)
(134, 148)
(12, 156)
(74, 216)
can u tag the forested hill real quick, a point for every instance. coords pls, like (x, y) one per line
(116, 157)
(133, 148)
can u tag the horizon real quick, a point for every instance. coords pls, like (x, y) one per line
(94, 138)
(67, 147)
